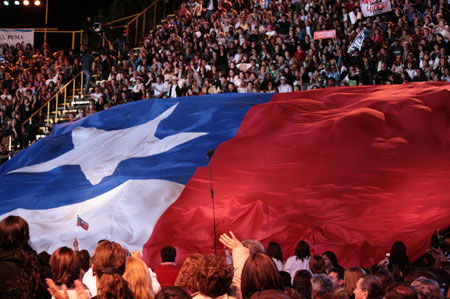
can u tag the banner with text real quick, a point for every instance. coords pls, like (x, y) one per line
(375, 7)
(14, 36)
(325, 34)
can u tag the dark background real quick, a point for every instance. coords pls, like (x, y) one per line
(62, 14)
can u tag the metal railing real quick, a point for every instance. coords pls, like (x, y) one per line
(53, 103)
(139, 27)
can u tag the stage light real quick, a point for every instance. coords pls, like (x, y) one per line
(37, 3)
(26, 2)
(16, 2)
(6, 3)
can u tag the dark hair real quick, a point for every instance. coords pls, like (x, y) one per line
(302, 279)
(274, 251)
(259, 273)
(339, 271)
(214, 276)
(173, 292)
(270, 294)
(371, 284)
(302, 250)
(317, 264)
(15, 238)
(285, 278)
(398, 260)
(332, 257)
(65, 266)
(84, 258)
(400, 290)
(168, 254)
(386, 278)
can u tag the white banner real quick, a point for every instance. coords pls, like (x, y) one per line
(371, 8)
(14, 36)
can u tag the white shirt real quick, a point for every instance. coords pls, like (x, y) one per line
(90, 281)
(293, 264)
(284, 88)
(279, 264)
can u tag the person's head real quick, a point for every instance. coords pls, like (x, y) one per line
(64, 266)
(254, 246)
(14, 233)
(337, 277)
(302, 279)
(270, 294)
(173, 292)
(138, 278)
(427, 288)
(214, 276)
(400, 290)
(108, 265)
(259, 273)
(386, 278)
(321, 284)
(188, 271)
(84, 259)
(274, 251)
(368, 287)
(302, 250)
(317, 264)
(351, 277)
(330, 259)
(168, 254)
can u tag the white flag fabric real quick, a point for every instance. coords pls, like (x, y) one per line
(358, 41)
(372, 8)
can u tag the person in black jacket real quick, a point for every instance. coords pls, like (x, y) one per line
(19, 265)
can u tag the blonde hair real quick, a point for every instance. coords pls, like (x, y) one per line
(138, 278)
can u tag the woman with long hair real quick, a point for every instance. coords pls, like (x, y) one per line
(259, 274)
(65, 268)
(138, 278)
(351, 277)
(19, 264)
(108, 265)
(300, 259)
(274, 251)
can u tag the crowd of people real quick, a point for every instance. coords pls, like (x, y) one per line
(216, 46)
(249, 271)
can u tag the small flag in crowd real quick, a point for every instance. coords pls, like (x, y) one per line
(80, 222)
(359, 40)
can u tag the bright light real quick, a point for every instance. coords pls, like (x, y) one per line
(6, 3)
(37, 3)
(26, 2)
(16, 2)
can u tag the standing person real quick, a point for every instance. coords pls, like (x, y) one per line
(274, 251)
(167, 272)
(300, 260)
(138, 278)
(19, 264)
(87, 65)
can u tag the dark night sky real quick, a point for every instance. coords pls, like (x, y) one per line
(62, 14)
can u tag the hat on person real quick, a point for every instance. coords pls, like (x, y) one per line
(283, 78)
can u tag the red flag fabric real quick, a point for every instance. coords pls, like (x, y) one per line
(350, 170)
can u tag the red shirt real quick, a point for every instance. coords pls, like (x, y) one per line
(167, 273)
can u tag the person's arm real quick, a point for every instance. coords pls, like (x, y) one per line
(240, 255)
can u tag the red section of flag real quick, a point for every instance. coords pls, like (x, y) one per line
(346, 169)
(80, 222)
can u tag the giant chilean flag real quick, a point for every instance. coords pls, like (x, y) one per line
(346, 169)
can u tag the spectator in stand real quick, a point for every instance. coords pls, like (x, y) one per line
(168, 271)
